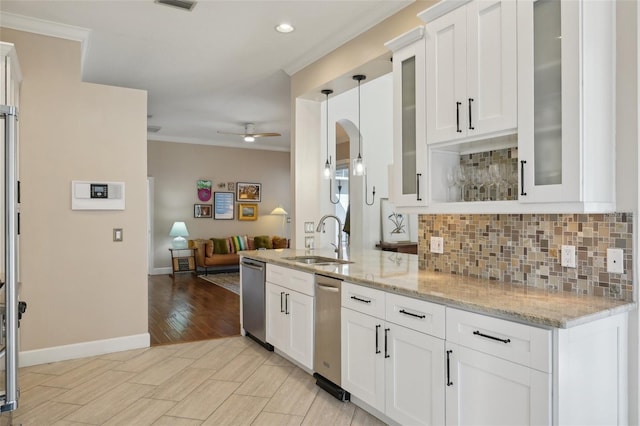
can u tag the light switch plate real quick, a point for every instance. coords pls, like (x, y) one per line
(117, 234)
(308, 227)
(437, 245)
(615, 260)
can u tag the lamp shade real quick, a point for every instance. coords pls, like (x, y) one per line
(279, 211)
(179, 231)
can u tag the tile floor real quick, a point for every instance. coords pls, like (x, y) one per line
(230, 381)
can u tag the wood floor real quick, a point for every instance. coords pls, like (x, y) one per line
(187, 309)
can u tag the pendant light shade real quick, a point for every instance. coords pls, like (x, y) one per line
(358, 164)
(327, 172)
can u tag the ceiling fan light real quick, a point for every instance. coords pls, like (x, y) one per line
(249, 138)
(284, 28)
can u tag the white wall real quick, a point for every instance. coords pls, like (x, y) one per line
(376, 121)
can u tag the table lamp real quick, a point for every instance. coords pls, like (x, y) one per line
(179, 231)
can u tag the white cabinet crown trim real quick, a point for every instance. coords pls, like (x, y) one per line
(405, 39)
(440, 9)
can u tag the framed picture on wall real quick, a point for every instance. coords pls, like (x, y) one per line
(223, 205)
(202, 210)
(395, 226)
(247, 211)
(248, 191)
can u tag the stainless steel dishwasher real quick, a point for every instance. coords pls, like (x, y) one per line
(253, 274)
(327, 347)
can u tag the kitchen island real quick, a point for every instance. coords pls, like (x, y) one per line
(421, 347)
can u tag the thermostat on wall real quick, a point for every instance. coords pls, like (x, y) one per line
(97, 195)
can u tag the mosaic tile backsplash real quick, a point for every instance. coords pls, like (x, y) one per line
(526, 249)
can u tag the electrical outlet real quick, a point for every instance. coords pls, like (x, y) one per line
(615, 260)
(568, 256)
(437, 245)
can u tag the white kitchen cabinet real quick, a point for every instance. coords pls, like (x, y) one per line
(289, 313)
(484, 389)
(362, 357)
(408, 183)
(393, 368)
(566, 104)
(276, 320)
(498, 372)
(414, 377)
(471, 74)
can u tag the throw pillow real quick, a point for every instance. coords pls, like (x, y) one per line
(239, 243)
(250, 245)
(279, 243)
(220, 246)
(208, 248)
(262, 241)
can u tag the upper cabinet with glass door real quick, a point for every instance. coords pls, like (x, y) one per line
(471, 70)
(566, 104)
(409, 175)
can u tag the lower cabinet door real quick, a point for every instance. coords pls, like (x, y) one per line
(277, 322)
(300, 317)
(483, 389)
(363, 357)
(415, 377)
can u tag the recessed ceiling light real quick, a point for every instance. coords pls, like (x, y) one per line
(284, 28)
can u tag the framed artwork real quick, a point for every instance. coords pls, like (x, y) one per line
(223, 205)
(202, 210)
(248, 191)
(204, 190)
(395, 227)
(231, 186)
(247, 211)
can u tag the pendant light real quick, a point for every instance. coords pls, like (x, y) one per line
(327, 172)
(358, 164)
(327, 165)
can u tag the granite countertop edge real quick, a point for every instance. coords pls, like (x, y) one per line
(494, 308)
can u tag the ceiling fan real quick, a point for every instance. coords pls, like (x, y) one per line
(249, 134)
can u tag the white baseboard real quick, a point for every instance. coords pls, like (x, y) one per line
(161, 271)
(82, 350)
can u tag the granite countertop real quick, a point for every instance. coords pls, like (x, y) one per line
(399, 273)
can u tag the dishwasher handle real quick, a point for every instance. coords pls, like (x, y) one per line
(326, 287)
(258, 266)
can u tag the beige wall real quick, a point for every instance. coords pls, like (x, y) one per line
(80, 286)
(176, 167)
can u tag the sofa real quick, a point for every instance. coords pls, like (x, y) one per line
(222, 254)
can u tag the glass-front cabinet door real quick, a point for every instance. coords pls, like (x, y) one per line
(409, 179)
(566, 88)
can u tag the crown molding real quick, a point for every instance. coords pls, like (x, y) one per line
(48, 28)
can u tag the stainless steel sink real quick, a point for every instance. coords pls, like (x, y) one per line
(317, 260)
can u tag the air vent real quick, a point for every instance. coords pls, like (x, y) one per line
(180, 4)
(153, 129)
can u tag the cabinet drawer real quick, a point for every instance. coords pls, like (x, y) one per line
(290, 278)
(416, 314)
(363, 299)
(519, 343)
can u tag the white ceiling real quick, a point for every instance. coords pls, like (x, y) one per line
(213, 69)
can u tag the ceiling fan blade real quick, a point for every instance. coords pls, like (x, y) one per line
(231, 133)
(262, 135)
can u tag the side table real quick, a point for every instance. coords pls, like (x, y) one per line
(183, 260)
